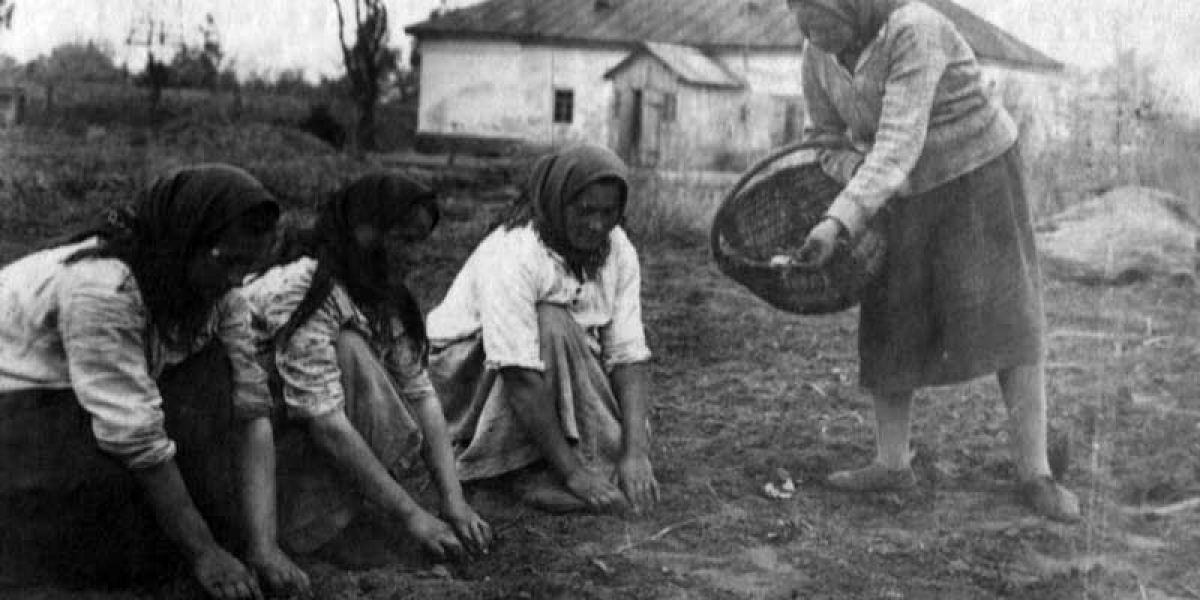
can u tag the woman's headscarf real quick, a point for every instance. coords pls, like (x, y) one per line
(383, 201)
(556, 179)
(179, 215)
(866, 17)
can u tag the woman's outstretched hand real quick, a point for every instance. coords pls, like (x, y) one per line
(636, 477)
(278, 574)
(435, 535)
(819, 245)
(472, 530)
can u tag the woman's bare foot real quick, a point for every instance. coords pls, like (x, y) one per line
(1051, 500)
(873, 478)
(597, 491)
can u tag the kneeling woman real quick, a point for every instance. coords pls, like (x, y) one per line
(538, 348)
(344, 341)
(127, 363)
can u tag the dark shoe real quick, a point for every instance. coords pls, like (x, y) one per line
(874, 478)
(1051, 500)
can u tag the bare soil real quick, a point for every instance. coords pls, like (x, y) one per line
(742, 390)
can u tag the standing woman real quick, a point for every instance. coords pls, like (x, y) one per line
(960, 296)
(538, 348)
(344, 341)
(127, 374)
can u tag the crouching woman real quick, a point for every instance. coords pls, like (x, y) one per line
(344, 341)
(127, 371)
(538, 349)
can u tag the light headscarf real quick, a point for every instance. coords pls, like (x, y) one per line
(865, 16)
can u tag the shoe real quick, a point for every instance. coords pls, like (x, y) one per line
(874, 478)
(1051, 500)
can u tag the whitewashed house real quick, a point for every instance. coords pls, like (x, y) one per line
(679, 84)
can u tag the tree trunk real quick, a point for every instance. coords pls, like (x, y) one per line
(365, 137)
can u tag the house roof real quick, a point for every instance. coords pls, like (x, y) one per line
(686, 62)
(705, 24)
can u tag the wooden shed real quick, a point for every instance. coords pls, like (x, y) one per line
(674, 106)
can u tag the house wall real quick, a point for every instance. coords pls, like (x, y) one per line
(505, 90)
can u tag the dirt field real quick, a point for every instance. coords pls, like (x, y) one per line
(741, 391)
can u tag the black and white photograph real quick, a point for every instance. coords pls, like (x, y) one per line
(600, 299)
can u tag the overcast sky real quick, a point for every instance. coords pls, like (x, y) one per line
(271, 35)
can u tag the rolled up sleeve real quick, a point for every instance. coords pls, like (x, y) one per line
(918, 58)
(308, 366)
(624, 338)
(103, 333)
(508, 314)
(251, 397)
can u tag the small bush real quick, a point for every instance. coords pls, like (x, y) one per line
(322, 124)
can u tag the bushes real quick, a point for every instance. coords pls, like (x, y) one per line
(320, 123)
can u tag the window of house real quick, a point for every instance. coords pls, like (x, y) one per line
(564, 106)
(669, 107)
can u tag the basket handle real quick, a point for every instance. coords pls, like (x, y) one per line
(766, 161)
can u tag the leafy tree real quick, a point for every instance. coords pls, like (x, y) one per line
(73, 62)
(368, 62)
(193, 68)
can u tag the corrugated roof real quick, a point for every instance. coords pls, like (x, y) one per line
(688, 63)
(704, 24)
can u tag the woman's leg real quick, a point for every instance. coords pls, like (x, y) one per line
(890, 470)
(1024, 391)
(316, 501)
(68, 512)
(893, 416)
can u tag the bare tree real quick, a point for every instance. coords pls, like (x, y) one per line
(368, 62)
(6, 13)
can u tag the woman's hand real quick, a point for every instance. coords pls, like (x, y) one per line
(223, 576)
(278, 573)
(472, 530)
(636, 477)
(434, 535)
(819, 245)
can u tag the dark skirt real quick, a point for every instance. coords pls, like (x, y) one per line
(960, 295)
(69, 512)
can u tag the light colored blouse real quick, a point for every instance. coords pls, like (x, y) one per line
(83, 326)
(915, 103)
(307, 363)
(498, 289)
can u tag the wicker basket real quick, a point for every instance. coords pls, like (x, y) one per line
(766, 217)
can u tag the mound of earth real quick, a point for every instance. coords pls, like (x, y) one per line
(1127, 234)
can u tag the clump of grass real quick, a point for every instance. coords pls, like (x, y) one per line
(674, 207)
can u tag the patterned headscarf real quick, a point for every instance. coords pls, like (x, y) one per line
(555, 181)
(381, 200)
(176, 217)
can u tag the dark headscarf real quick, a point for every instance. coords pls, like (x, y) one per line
(381, 200)
(866, 17)
(176, 217)
(555, 181)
